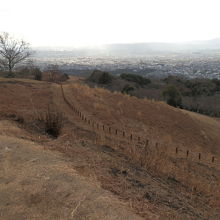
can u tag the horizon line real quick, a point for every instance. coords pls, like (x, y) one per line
(127, 43)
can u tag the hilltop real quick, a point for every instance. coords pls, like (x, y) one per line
(145, 172)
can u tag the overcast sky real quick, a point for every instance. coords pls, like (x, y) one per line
(95, 22)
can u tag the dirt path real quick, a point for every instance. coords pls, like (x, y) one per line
(39, 184)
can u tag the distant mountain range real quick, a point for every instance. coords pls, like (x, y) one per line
(132, 49)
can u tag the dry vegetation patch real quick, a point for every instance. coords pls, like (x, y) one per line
(151, 120)
(147, 180)
(35, 183)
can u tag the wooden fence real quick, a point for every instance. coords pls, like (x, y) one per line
(121, 136)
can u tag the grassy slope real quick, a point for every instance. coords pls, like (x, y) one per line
(39, 184)
(156, 121)
(210, 128)
(143, 191)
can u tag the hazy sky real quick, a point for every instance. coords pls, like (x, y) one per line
(94, 22)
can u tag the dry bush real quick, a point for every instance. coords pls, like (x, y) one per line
(52, 121)
(153, 158)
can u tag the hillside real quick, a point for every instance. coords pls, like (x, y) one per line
(39, 184)
(144, 172)
(153, 120)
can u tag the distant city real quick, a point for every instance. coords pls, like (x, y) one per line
(193, 60)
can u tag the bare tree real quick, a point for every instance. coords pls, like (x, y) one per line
(53, 71)
(12, 51)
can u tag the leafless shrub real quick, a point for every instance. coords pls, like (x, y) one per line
(53, 74)
(52, 121)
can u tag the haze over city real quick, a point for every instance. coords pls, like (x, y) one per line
(80, 23)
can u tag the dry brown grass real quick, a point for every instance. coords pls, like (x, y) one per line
(19, 96)
(154, 160)
(147, 180)
(36, 183)
(127, 183)
(113, 108)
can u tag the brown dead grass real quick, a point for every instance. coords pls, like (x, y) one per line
(149, 182)
(154, 121)
(209, 128)
(23, 97)
(37, 183)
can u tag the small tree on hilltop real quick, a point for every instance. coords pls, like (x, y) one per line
(52, 70)
(173, 96)
(37, 74)
(55, 74)
(12, 52)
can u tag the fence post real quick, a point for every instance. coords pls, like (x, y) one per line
(123, 134)
(116, 131)
(139, 139)
(213, 159)
(176, 150)
(147, 142)
(131, 137)
(199, 156)
(187, 153)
